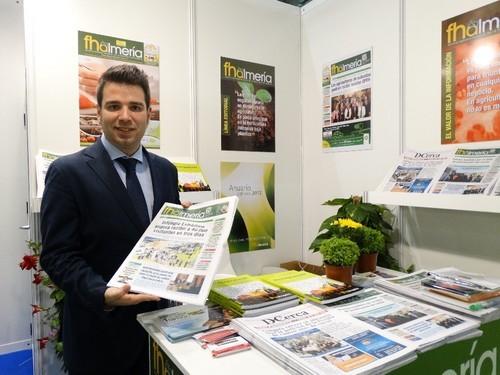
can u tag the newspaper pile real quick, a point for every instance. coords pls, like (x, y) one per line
(411, 285)
(423, 324)
(462, 172)
(308, 339)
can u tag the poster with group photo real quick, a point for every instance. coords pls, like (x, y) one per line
(254, 222)
(247, 106)
(97, 53)
(347, 97)
(470, 78)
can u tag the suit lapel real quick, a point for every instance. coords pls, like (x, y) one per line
(155, 176)
(102, 165)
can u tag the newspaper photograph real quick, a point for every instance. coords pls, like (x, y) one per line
(177, 256)
(469, 172)
(318, 341)
(415, 171)
(412, 321)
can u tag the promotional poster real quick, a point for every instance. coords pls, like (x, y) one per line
(470, 79)
(347, 98)
(254, 222)
(97, 53)
(247, 106)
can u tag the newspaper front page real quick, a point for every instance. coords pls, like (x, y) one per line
(469, 172)
(177, 256)
(415, 171)
(313, 340)
(425, 325)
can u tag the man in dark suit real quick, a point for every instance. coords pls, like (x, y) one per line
(90, 221)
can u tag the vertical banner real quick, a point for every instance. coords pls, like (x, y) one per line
(470, 76)
(254, 222)
(247, 106)
(97, 53)
(347, 98)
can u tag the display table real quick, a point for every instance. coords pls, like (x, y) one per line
(187, 357)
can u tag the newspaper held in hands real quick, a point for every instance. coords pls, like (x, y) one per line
(177, 256)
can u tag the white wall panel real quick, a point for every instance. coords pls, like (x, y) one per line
(264, 32)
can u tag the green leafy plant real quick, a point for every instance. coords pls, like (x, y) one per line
(368, 214)
(51, 315)
(371, 240)
(339, 251)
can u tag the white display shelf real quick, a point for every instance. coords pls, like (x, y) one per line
(479, 203)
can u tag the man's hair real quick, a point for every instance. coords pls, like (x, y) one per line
(126, 74)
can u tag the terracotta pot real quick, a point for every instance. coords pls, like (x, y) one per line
(340, 273)
(367, 263)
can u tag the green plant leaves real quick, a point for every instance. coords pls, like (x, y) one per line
(264, 96)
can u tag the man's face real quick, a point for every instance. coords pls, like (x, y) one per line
(124, 116)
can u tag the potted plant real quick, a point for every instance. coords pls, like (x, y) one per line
(367, 214)
(371, 243)
(339, 255)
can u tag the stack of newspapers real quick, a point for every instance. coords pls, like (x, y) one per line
(308, 339)
(246, 295)
(310, 287)
(414, 322)
(452, 289)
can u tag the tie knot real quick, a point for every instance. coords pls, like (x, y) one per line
(128, 163)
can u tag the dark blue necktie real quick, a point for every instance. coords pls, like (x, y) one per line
(134, 189)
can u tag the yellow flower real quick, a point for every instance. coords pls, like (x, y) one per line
(348, 223)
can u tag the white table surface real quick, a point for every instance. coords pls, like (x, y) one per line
(191, 359)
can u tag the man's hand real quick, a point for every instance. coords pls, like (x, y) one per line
(186, 204)
(121, 297)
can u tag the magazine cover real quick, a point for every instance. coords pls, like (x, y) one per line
(97, 53)
(470, 84)
(312, 287)
(177, 256)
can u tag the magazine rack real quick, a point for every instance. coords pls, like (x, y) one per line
(478, 203)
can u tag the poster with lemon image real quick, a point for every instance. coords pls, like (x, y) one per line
(254, 223)
(97, 53)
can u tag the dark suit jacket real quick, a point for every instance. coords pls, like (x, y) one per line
(89, 226)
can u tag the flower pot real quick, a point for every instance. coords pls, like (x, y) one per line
(367, 263)
(340, 273)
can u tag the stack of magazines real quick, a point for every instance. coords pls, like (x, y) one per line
(310, 287)
(452, 289)
(307, 339)
(246, 295)
(412, 321)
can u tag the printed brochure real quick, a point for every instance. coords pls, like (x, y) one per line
(308, 286)
(177, 256)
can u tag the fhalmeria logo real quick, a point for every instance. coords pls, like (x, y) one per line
(458, 32)
(231, 71)
(350, 64)
(95, 46)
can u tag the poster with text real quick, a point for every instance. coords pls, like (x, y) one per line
(254, 222)
(470, 76)
(247, 106)
(97, 53)
(347, 97)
